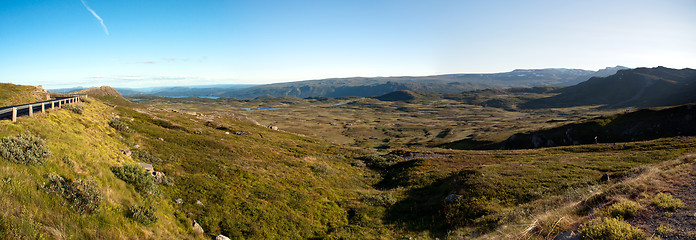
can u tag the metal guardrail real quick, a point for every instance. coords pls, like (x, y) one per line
(44, 105)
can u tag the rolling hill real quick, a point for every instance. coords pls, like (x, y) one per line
(640, 87)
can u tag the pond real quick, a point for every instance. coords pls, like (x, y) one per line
(256, 108)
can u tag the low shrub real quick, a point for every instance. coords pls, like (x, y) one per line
(625, 209)
(74, 108)
(119, 125)
(83, 195)
(376, 160)
(664, 229)
(381, 199)
(25, 149)
(610, 229)
(145, 156)
(666, 201)
(137, 176)
(143, 215)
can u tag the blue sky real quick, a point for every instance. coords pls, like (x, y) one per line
(60, 43)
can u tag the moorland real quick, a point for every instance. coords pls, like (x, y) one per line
(406, 164)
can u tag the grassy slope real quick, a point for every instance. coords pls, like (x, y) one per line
(267, 184)
(88, 141)
(501, 189)
(11, 94)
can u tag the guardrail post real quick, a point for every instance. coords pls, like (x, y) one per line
(59, 103)
(52, 106)
(14, 114)
(43, 108)
(31, 110)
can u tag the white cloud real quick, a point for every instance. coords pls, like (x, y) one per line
(96, 16)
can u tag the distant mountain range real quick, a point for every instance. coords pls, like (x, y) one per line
(174, 91)
(450, 83)
(375, 86)
(640, 87)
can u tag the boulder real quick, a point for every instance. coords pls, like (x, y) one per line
(274, 127)
(179, 201)
(136, 146)
(199, 203)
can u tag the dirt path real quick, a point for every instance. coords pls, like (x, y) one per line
(681, 221)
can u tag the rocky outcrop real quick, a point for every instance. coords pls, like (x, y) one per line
(645, 124)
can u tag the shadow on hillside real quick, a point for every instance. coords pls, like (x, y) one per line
(423, 208)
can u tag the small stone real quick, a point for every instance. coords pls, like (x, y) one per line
(199, 203)
(179, 201)
(221, 237)
(161, 139)
(127, 152)
(197, 227)
(136, 146)
(274, 127)
(227, 133)
(569, 235)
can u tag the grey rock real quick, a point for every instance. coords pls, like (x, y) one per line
(274, 127)
(569, 235)
(136, 146)
(197, 227)
(179, 201)
(451, 198)
(221, 237)
(127, 152)
(199, 203)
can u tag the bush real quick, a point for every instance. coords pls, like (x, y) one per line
(137, 176)
(143, 215)
(610, 229)
(381, 161)
(24, 149)
(665, 201)
(625, 209)
(145, 156)
(381, 199)
(75, 108)
(83, 195)
(119, 125)
(664, 229)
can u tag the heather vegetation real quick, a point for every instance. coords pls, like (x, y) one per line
(227, 172)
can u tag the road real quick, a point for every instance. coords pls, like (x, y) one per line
(6, 112)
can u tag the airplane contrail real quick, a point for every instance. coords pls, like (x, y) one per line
(96, 16)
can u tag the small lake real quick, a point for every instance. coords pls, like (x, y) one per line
(208, 97)
(341, 103)
(139, 99)
(256, 108)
